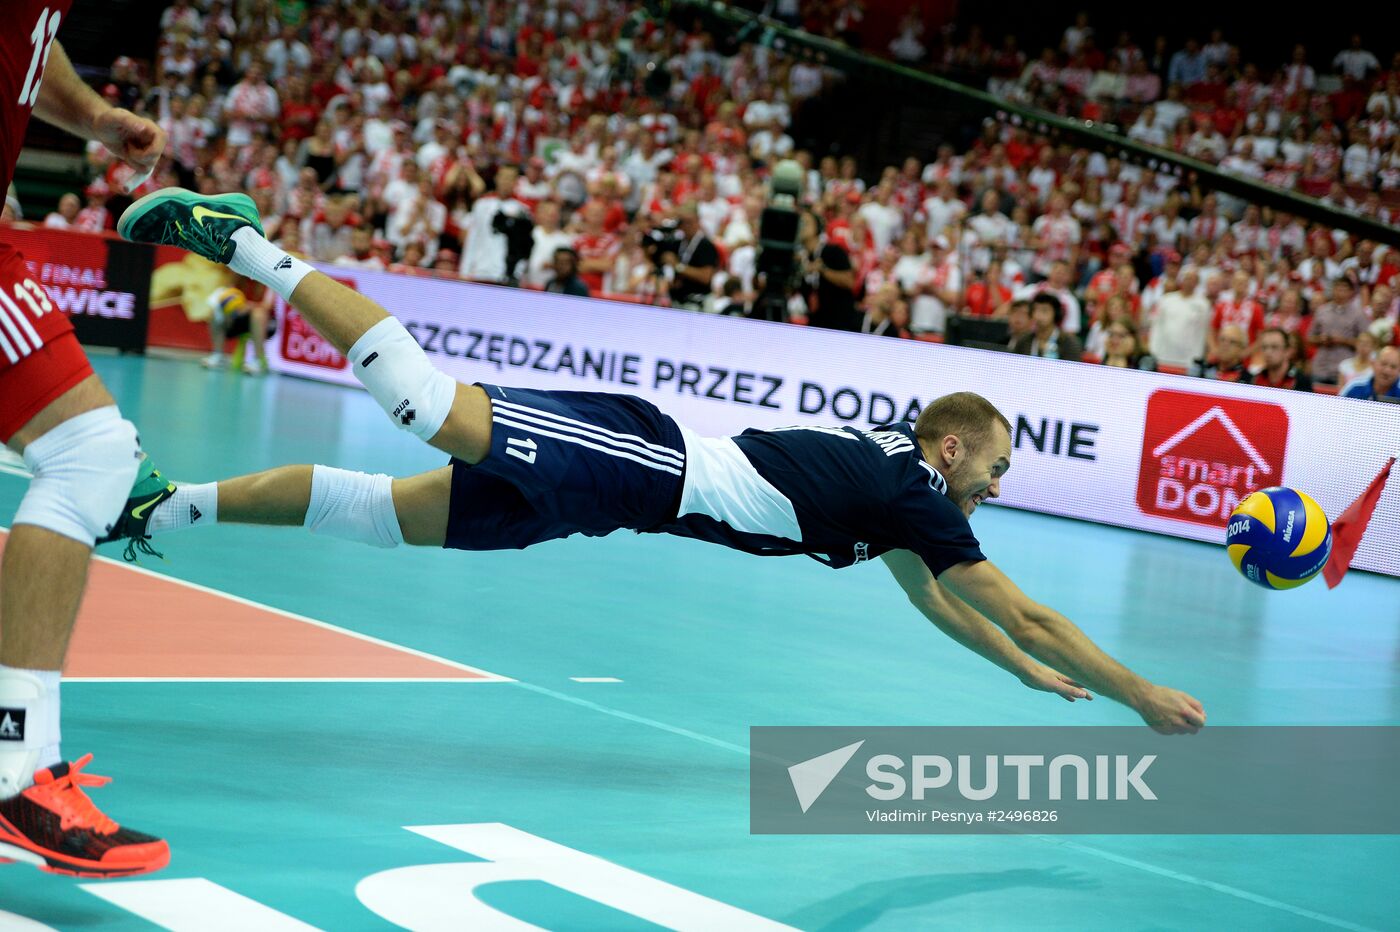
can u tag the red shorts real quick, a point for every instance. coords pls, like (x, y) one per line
(40, 358)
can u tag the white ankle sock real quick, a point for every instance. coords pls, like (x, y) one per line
(29, 726)
(263, 262)
(190, 506)
(353, 506)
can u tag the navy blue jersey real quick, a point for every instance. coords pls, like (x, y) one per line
(838, 495)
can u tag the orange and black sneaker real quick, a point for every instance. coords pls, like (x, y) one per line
(57, 828)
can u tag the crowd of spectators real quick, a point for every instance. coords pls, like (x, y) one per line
(1200, 278)
(1324, 125)
(409, 136)
(1087, 258)
(397, 135)
(1209, 284)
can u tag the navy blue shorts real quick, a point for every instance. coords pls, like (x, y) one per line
(566, 463)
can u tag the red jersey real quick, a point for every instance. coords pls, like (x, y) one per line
(1245, 314)
(1104, 285)
(1299, 325)
(299, 120)
(614, 215)
(596, 246)
(1020, 153)
(31, 26)
(983, 299)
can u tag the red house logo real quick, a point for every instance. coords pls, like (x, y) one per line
(301, 343)
(1202, 454)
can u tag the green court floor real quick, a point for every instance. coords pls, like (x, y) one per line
(280, 799)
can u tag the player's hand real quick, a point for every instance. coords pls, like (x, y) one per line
(135, 140)
(1171, 711)
(1043, 678)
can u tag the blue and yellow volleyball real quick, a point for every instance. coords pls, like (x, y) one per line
(1279, 538)
(227, 302)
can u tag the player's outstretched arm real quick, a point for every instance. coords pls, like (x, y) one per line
(1049, 636)
(963, 624)
(68, 103)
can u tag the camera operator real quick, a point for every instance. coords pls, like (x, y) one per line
(829, 278)
(487, 243)
(691, 266)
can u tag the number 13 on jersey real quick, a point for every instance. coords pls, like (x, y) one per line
(45, 28)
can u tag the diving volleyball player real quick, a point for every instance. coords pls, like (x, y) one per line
(529, 466)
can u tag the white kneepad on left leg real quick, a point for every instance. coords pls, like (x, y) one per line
(390, 363)
(83, 472)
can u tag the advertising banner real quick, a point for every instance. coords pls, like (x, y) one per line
(99, 282)
(1154, 452)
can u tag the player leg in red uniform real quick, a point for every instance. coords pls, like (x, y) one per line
(86, 462)
(84, 458)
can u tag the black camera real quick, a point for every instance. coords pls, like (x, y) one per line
(663, 238)
(518, 229)
(778, 228)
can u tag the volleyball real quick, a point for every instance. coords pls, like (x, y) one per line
(225, 302)
(1279, 538)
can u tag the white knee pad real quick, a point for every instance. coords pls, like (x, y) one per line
(391, 364)
(83, 471)
(353, 506)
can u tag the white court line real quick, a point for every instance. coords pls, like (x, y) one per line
(275, 679)
(483, 676)
(628, 716)
(11, 463)
(595, 679)
(171, 903)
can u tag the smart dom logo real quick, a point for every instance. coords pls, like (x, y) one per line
(301, 343)
(1203, 454)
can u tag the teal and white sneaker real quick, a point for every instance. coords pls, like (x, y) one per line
(201, 223)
